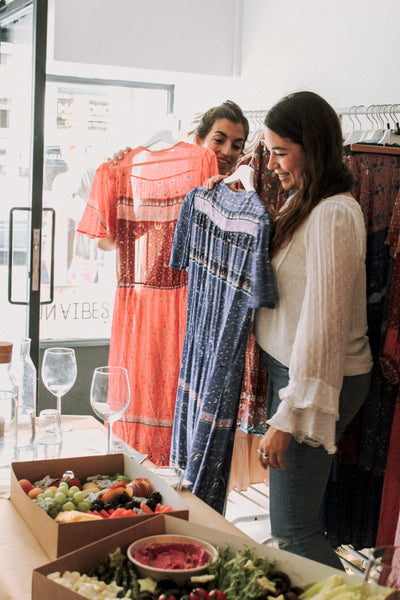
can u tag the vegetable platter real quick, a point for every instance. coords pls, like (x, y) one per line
(302, 572)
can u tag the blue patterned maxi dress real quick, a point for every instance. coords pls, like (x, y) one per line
(222, 238)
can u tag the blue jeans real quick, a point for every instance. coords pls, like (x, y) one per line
(296, 492)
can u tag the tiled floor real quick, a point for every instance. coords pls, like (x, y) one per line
(249, 511)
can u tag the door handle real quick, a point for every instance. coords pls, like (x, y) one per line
(36, 253)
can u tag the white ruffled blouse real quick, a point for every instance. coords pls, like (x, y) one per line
(318, 328)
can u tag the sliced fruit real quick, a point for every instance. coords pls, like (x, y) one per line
(119, 484)
(141, 487)
(74, 516)
(34, 493)
(26, 485)
(129, 491)
(90, 486)
(111, 493)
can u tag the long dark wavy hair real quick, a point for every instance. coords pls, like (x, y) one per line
(308, 120)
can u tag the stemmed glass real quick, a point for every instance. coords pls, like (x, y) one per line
(383, 569)
(59, 373)
(110, 396)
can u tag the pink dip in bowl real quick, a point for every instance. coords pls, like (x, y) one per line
(172, 555)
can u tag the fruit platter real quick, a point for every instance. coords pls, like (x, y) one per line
(67, 500)
(71, 502)
(240, 569)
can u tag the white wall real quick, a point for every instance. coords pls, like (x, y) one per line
(346, 50)
(149, 34)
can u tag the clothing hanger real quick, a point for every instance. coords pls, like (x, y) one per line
(371, 134)
(355, 136)
(163, 138)
(390, 136)
(387, 137)
(376, 133)
(256, 122)
(395, 117)
(382, 139)
(245, 175)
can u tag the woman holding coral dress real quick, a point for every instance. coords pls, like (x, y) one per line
(133, 208)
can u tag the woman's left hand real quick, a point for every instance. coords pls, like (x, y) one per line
(118, 156)
(273, 447)
(211, 181)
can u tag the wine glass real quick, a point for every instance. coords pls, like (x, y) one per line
(110, 396)
(59, 373)
(383, 569)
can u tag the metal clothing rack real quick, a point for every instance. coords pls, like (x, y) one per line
(382, 112)
(383, 119)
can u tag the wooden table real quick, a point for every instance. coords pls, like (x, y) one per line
(20, 553)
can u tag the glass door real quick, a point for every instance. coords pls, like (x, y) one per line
(56, 287)
(86, 122)
(23, 39)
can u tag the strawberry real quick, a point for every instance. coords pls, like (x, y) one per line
(198, 594)
(217, 595)
(73, 481)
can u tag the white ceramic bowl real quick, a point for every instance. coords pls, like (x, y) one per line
(178, 575)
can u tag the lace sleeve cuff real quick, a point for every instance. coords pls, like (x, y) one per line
(310, 423)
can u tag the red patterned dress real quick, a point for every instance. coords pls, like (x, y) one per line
(139, 200)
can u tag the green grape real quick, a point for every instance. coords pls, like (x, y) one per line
(40, 497)
(84, 506)
(48, 494)
(79, 496)
(69, 506)
(72, 490)
(60, 498)
(63, 485)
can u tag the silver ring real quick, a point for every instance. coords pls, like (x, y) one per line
(262, 453)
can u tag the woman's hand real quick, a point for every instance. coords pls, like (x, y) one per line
(209, 183)
(108, 243)
(273, 447)
(117, 156)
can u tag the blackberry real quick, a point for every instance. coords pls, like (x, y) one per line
(97, 505)
(153, 500)
(123, 499)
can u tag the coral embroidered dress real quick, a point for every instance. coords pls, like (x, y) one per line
(139, 201)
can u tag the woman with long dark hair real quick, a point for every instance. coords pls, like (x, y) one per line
(314, 343)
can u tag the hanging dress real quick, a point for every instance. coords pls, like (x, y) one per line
(352, 503)
(246, 468)
(222, 238)
(139, 200)
(389, 522)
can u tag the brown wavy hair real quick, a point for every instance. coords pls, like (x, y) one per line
(306, 119)
(227, 110)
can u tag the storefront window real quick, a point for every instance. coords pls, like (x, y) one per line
(85, 124)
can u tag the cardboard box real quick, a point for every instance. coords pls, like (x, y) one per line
(58, 539)
(301, 570)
